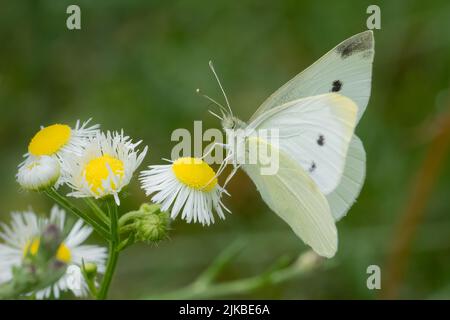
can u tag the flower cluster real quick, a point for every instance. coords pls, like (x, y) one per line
(47, 258)
(90, 162)
(96, 164)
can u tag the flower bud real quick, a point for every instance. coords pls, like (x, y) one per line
(152, 225)
(38, 173)
(149, 208)
(90, 270)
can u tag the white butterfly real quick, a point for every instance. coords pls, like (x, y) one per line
(321, 161)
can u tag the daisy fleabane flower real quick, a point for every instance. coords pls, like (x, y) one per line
(22, 237)
(60, 139)
(187, 185)
(38, 173)
(105, 166)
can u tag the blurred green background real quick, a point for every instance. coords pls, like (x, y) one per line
(136, 64)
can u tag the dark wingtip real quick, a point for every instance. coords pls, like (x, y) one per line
(361, 42)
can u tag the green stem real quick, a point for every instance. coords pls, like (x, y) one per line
(113, 252)
(203, 288)
(144, 210)
(128, 228)
(63, 202)
(130, 215)
(126, 243)
(89, 280)
(97, 210)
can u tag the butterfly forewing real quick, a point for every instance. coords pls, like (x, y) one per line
(315, 132)
(346, 69)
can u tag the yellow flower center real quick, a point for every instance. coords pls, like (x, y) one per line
(63, 253)
(49, 140)
(96, 171)
(195, 173)
(31, 247)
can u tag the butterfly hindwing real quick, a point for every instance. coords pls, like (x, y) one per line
(343, 197)
(293, 196)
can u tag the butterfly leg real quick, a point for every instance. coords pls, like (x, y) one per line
(231, 175)
(221, 167)
(216, 144)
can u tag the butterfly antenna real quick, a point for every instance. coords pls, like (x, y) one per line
(222, 108)
(215, 115)
(211, 66)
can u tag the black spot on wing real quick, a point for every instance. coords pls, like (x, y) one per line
(359, 43)
(321, 140)
(336, 86)
(312, 167)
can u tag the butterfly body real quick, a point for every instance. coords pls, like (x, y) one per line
(232, 123)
